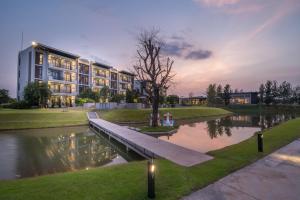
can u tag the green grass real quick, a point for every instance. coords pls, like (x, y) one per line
(142, 115)
(40, 118)
(128, 181)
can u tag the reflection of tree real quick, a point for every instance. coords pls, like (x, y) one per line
(218, 127)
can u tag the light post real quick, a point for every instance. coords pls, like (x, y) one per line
(151, 179)
(260, 142)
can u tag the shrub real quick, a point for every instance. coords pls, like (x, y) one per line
(17, 105)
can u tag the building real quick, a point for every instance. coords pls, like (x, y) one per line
(244, 98)
(197, 100)
(67, 74)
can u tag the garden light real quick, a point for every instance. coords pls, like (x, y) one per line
(151, 179)
(260, 142)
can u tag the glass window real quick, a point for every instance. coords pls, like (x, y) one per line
(39, 58)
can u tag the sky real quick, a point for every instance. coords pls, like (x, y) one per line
(240, 42)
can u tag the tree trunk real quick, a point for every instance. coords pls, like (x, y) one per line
(155, 104)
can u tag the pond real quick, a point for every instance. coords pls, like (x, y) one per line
(27, 153)
(220, 132)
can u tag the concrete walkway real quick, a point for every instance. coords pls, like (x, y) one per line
(177, 154)
(276, 176)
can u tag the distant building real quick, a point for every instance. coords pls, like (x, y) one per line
(198, 100)
(244, 98)
(67, 75)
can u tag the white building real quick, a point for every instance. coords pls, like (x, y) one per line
(66, 74)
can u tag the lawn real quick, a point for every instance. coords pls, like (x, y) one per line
(142, 115)
(40, 118)
(128, 181)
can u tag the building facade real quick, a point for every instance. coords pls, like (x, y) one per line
(244, 98)
(67, 74)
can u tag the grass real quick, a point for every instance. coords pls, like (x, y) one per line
(142, 115)
(40, 118)
(128, 181)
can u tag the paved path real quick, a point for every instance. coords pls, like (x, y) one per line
(276, 176)
(177, 154)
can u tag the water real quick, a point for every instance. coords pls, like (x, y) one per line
(35, 152)
(217, 133)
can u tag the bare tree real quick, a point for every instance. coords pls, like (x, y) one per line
(153, 67)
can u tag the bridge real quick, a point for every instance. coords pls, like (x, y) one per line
(146, 145)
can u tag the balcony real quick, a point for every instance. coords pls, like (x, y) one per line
(100, 75)
(63, 92)
(62, 80)
(62, 67)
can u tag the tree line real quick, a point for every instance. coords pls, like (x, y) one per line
(273, 93)
(218, 95)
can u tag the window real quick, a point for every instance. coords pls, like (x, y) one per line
(68, 89)
(67, 77)
(38, 72)
(83, 69)
(114, 76)
(55, 74)
(39, 58)
(83, 79)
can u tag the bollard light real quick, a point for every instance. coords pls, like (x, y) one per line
(260, 142)
(151, 179)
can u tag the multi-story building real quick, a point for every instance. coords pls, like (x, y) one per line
(67, 74)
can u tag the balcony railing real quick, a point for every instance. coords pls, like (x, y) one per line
(63, 67)
(51, 78)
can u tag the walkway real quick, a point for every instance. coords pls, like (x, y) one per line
(156, 147)
(276, 176)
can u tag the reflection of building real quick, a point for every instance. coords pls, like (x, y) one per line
(66, 74)
(199, 100)
(244, 98)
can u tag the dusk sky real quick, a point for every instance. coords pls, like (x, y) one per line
(240, 42)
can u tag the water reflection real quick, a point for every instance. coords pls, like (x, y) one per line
(214, 134)
(45, 151)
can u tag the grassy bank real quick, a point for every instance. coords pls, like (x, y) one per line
(263, 109)
(128, 181)
(40, 118)
(142, 115)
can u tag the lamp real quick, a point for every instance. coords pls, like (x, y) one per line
(151, 179)
(260, 142)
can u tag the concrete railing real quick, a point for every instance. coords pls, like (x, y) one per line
(113, 105)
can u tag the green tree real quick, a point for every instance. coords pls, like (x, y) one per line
(104, 94)
(285, 91)
(90, 94)
(219, 97)
(261, 93)
(226, 94)
(172, 99)
(4, 96)
(37, 94)
(211, 94)
(275, 92)
(268, 93)
(130, 96)
(117, 98)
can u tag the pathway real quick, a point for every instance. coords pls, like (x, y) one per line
(157, 147)
(276, 176)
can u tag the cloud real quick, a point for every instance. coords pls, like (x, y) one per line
(217, 3)
(198, 54)
(178, 47)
